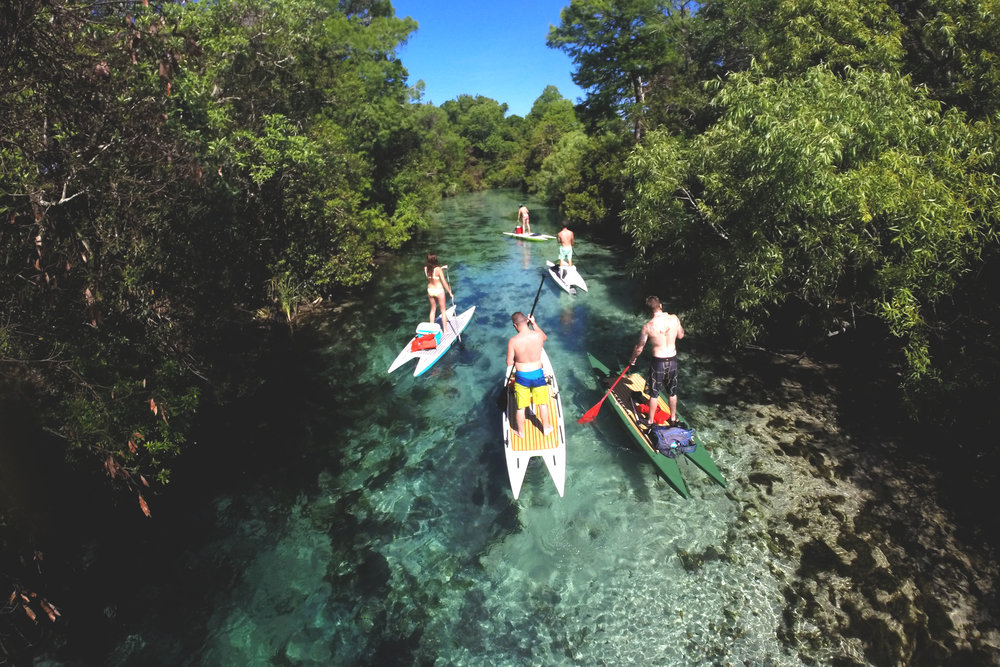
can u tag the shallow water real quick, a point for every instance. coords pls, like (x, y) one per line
(384, 531)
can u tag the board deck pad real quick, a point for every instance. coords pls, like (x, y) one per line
(533, 439)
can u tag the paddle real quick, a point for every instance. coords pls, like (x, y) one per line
(502, 398)
(453, 304)
(591, 414)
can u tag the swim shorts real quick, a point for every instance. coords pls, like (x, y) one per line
(660, 368)
(566, 254)
(530, 385)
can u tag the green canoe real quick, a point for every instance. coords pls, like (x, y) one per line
(632, 389)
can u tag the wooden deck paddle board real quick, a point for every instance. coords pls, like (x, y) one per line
(520, 449)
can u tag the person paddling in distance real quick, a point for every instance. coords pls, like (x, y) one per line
(663, 329)
(566, 238)
(522, 219)
(524, 351)
(436, 286)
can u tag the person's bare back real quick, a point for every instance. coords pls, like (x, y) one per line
(524, 349)
(663, 330)
(565, 237)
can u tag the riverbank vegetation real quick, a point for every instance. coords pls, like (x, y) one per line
(178, 179)
(799, 171)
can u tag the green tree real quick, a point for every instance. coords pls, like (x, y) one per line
(165, 173)
(834, 197)
(619, 46)
(552, 116)
(952, 47)
(493, 138)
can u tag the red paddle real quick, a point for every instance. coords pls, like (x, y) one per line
(591, 414)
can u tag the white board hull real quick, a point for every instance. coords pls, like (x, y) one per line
(518, 451)
(427, 358)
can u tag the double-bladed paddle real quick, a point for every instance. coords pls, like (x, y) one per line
(591, 414)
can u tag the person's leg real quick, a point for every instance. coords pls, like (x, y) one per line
(522, 396)
(444, 312)
(655, 382)
(672, 387)
(433, 300)
(543, 413)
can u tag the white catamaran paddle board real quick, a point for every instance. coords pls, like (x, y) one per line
(571, 281)
(519, 450)
(427, 358)
(533, 236)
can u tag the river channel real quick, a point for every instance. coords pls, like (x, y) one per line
(366, 518)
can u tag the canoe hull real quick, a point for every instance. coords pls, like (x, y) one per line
(622, 401)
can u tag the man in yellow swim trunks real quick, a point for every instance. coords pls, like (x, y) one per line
(524, 351)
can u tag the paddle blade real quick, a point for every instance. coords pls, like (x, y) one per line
(591, 414)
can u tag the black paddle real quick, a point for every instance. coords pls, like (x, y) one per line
(502, 398)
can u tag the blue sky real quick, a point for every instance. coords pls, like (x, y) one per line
(483, 47)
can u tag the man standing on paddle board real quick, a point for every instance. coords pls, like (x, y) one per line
(524, 351)
(522, 219)
(663, 329)
(566, 239)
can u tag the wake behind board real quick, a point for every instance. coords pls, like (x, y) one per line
(533, 236)
(520, 449)
(570, 281)
(427, 358)
(626, 394)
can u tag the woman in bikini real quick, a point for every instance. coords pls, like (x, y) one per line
(522, 219)
(436, 286)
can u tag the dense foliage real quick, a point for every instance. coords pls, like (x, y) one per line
(176, 181)
(179, 178)
(812, 168)
(170, 171)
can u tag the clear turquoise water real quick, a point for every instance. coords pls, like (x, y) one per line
(436, 554)
(394, 538)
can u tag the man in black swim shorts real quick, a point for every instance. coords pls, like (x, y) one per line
(663, 329)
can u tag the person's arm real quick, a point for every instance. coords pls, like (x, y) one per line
(536, 327)
(680, 329)
(510, 352)
(637, 350)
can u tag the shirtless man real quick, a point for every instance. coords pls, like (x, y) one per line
(524, 351)
(522, 219)
(566, 239)
(663, 329)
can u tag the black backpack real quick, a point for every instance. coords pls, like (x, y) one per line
(673, 440)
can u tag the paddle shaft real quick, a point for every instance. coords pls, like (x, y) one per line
(592, 413)
(502, 400)
(537, 294)
(448, 277)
